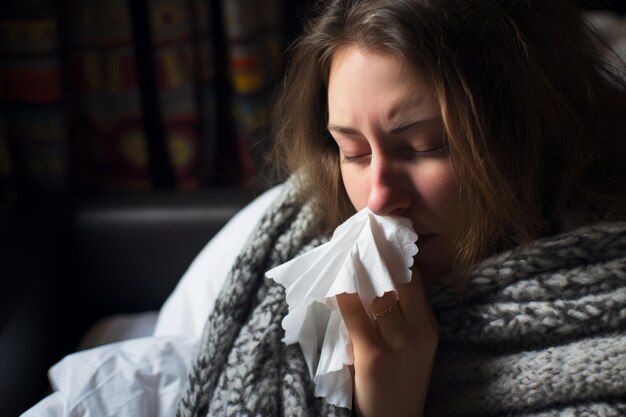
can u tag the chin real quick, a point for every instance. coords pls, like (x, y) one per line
(430, 268)
(430, 273)
(433, 261)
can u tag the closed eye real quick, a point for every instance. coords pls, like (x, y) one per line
(349, 159)
(434, 151)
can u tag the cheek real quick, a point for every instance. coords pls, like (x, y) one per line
(439, 191)
(357, 187)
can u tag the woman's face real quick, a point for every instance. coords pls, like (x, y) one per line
(387, 123)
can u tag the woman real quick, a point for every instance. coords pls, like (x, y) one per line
(496, 127)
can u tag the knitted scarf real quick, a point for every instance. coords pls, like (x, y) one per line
(539, 331)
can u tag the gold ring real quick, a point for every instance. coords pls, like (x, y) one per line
(387, 311)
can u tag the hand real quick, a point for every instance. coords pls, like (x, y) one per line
(393, 357)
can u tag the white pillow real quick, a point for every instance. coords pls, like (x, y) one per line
(187, 308)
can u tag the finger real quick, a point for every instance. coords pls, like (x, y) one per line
(414, 304)
(390, 320)
(360, 328)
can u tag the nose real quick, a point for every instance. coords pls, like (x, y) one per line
(388, 187)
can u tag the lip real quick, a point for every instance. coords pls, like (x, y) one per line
(425, 238)
(425, 235)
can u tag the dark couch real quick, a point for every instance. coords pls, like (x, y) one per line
(66, 265)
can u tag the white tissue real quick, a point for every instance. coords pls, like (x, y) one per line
(368, 255)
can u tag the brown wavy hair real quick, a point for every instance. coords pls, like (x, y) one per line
(534, 114)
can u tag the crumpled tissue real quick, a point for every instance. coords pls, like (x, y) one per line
(369, 255)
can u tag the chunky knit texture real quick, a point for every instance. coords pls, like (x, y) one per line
(539, 331)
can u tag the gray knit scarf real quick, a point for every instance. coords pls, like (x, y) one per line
(539, 332)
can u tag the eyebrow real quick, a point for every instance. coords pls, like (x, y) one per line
(408, 124)
(342, 129)
(394, 129)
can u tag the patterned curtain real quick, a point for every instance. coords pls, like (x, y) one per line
(254, 56)
(33, 133)
(135, 94)
(103, 95)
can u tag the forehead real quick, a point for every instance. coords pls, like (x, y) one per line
(376, 81)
